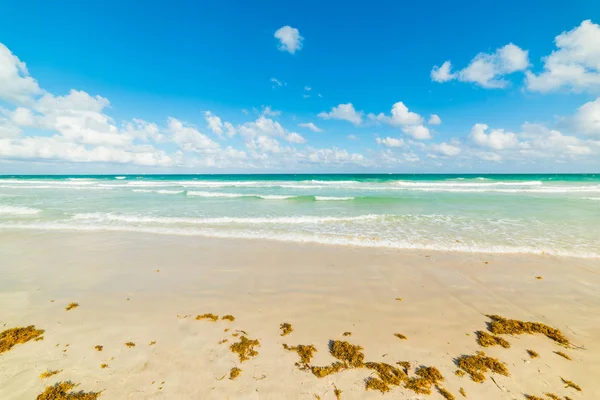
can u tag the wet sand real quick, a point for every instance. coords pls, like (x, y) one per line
(140, 288)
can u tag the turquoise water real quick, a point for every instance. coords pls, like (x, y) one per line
(555, 214)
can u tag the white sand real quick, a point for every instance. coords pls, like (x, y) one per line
(322, 291)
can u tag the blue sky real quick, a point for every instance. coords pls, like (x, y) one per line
(521, 94)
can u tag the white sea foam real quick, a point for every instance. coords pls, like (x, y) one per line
(310, 239)
(162, 191)
(235, 195)
(12, 210)
(332, 198)
(295, 220)
(120, 177)
(466, 183)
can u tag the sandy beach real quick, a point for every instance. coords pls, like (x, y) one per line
(143, 288)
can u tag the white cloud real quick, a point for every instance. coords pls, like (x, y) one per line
(269, 112)
(351, 137)
(15, 83)
(485, 69)
(344, 112)
(400, 116)
(574, 65)
(23, 117)
(446, 149)
(289, 39)
(277, 83)
(434, 119)
(143, 130)
(189, 138)
(295, 138)
(217, 126)
(311, 126)
(496, 139)
(390, 142)
(307, 88)
(335, 156)
(587, 118)
(419, 132)
(442, 73)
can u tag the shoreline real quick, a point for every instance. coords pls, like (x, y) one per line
(322, 291)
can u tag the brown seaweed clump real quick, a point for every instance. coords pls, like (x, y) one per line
(532, 397)
(563, 355)
(63, 391)
(400, 336)
(228, 317)
(570, 384)
(209, 316)
(426, 377)
(552, 396)
(322, 372)
(71, 306)
(351, 355)
(99, 348)
(337, 392)
(152, 343)
(388, 375)
(459, 373)
(479, 364)
(462, 392)
(484, 339)
(532, 353)
(245, 348)
(305, 352)
(49, 373)
(501, 325)
(347, 334)
(286, 329)
(445, 394)
(103, 366)
(234, 373)
(14, 336)
(405, 365)
(130, 344)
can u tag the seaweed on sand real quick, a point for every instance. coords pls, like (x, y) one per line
(321, 372)
(63, 391)
(484, 339)
(351, 355)
(71, 306)
(387, 375)
(228, 317)
(337, 392)
(305, 352)
(400, 336)
(245, 348)
(532, 353)
(479, 364)
(563, 355)
(286, 329)
(445, 394)
(501, 325)
(234, 373)
(14, 336)
(99, 347)
(209, 316)
(130, 344)
(462, 392)
(570, 384)
(347, 334)
(49, 373)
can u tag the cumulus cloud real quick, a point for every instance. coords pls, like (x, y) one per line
(189, 138)
(311, 126)
(574, 65)
(446, 149)
(289, 39)
(495, 139)
(587, 118)
(15, 83)
(264, 126)
(344, 112)
(399, 116)
(390, 142)
(434, 119)
(486, 70)
(269, 112)
(419, 132)
(217, 126)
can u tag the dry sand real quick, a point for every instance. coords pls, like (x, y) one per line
(323, 291)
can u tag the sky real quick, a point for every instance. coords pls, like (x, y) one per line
(269, 87)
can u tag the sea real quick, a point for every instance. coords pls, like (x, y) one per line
(529, 214)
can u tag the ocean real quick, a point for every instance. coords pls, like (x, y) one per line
(552, 214)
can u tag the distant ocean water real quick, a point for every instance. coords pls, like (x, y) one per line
(554, 214)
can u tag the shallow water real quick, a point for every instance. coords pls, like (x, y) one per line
(555, 214)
